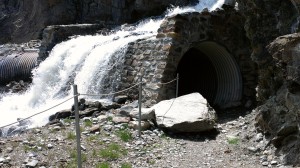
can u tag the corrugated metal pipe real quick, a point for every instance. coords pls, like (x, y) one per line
(17, 66)
(229, 78)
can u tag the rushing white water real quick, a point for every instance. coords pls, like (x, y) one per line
(83, 61)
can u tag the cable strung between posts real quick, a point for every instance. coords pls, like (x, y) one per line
(169, 82)
(37, 113)
(108, 94)
(173, 99)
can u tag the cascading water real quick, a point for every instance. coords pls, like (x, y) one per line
(84, 61)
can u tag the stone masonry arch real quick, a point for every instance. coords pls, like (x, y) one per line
(218, 37)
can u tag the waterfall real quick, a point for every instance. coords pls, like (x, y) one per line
(84, 61)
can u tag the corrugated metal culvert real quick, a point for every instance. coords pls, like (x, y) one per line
(17, 66)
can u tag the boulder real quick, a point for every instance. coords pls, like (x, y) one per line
(146, 114)
(188, 113)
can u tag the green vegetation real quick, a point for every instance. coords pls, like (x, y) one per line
(233, 140)
(103, 165)
(67, 120)
(93, 138)
(125, 135)
(88, 123)
(126, 165)
(71, 136)
(109, 118)
(112, 151)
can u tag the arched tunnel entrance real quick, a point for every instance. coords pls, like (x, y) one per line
(208, 68)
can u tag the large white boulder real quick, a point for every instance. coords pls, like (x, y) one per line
(188, 113)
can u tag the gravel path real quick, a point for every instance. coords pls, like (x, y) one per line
(235, 143)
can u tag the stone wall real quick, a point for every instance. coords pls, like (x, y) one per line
(157, 59)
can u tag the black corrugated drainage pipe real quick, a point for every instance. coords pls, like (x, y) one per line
(208, 68)
(17, 66)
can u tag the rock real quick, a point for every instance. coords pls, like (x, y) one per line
(87, 112)
(49, 146)
(135, 125)
(188, 113)
(274, 162)
(109, 106)
(118, 120)
(95, 104)
(95, 128)
(287, 130)
(120, 99)
(146, 114)
(32, 163)
(102, 118)
(9, 149)
(265, 163)
(60, 115)
(252, 149)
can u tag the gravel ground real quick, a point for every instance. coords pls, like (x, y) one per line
(234, 143)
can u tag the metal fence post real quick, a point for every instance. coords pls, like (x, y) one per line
(140, 105)
(177, 84)
(77, 126)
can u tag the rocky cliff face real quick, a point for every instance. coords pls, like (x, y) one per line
(23, 20)
(278, 61)
(266, 20)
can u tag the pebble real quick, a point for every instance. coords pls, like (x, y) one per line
(50, 146)
(274, 162)
(32, 163)
(265, 163)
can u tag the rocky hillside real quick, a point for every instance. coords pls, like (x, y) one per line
(270, 25)
(24, 20)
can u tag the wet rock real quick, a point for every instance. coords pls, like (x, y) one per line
(109, 106)
(60, 115)
(120, 99)
(88, 112)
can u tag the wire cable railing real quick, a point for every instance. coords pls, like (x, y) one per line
(84, 94)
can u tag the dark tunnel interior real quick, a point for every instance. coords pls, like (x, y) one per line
(197, 74)
(208, 68)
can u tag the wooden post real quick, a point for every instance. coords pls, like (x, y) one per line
(77, 126)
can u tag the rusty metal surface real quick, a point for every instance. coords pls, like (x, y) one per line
(17, 66)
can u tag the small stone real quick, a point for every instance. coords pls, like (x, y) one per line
(102, 118)
(265, 163)
(32, 163)
(83, 147)
(56, 128)
(2, 160)
(274, 162)
(259, 137)
(118, 120)
(252, 149)
(9, 149)
(50, 146)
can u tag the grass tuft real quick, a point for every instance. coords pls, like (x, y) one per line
(125, 135)
(112, 151)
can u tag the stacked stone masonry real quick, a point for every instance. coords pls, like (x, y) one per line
(156, 60)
